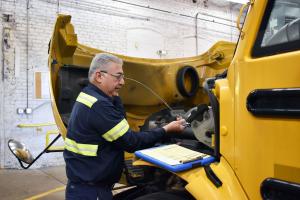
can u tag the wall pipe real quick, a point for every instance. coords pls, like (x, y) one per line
(27, 52)
(57, 12)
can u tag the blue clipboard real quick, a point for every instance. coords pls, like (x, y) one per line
(177, 167)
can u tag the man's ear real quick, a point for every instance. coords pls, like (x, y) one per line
(97, 78)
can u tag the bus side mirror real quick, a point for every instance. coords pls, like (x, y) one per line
(23, 155)
(20, 151)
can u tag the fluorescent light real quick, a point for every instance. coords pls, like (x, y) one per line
(239, 1)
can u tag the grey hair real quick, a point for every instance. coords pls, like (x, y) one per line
(101, 61)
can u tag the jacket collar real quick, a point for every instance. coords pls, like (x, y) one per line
(96, 89)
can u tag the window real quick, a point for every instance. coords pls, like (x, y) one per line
(280, 28)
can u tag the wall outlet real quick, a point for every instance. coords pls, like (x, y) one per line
(28, 111)
(162, 52)
(20, 111)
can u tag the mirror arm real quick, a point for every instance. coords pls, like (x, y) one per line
(238, 21)
(44, 151)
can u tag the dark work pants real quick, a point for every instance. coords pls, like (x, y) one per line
(78, 191)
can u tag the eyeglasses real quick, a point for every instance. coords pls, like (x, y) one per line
(117, 76)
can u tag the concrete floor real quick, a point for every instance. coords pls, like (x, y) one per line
(43, 184)
(32, 184)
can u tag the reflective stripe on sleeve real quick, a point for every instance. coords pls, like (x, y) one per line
(83, 149)
(86, 99)
(117, 131)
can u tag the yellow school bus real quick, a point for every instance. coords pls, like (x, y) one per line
(251, 91)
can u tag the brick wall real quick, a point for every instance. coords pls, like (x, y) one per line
(27, 26)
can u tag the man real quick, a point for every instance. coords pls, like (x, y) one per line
(98, 133)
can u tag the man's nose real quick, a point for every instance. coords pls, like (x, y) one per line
(122, 81)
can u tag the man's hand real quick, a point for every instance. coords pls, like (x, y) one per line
(175, 126)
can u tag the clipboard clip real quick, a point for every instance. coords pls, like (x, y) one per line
(191, 160)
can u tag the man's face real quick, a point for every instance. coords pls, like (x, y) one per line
(112, 79)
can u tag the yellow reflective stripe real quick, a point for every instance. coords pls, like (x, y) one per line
(86, 99)
(117, 131)
(83, 149)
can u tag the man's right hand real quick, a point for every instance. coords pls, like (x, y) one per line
(175, 126)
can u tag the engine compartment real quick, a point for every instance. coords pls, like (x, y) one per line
(196, 136)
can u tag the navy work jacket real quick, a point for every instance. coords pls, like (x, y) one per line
(97, 136)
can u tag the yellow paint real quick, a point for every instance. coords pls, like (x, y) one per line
(35, 125)
(202, 188)
(39, 196)
(52, 148)
(223, 130)
(255, 146)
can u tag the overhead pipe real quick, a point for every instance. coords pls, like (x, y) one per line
(93, 8)
(179, 14)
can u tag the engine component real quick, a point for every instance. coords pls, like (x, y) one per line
(204, 129)
(187, 81)
(202, 123)
(200, 117)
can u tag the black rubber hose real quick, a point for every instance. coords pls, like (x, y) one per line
(180, 80)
